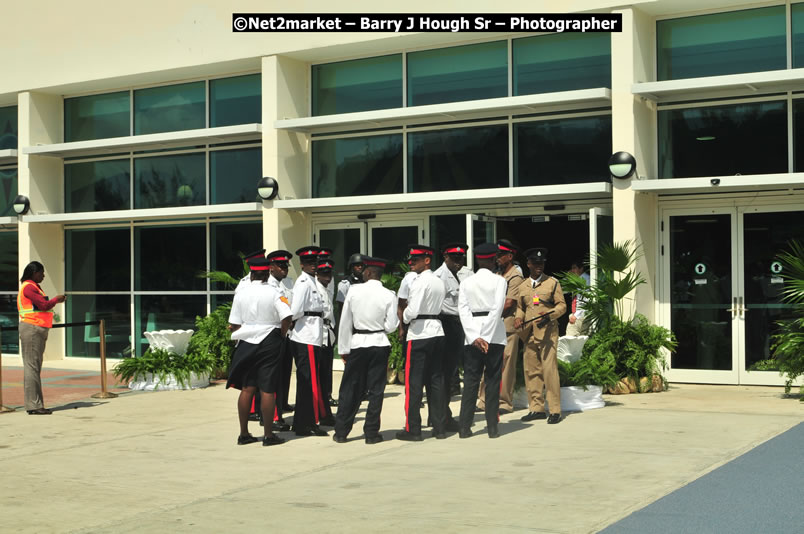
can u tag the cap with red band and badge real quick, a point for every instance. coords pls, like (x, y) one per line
(308, 253)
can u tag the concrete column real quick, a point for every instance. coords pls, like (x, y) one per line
(634, 126)
(41, 179)
(285, 154)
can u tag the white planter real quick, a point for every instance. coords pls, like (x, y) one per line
(570, 348)
(573, 399)
(169, 340)
(152, 383)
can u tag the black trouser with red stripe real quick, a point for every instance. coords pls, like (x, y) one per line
(453, 352)
(474, 365)
(365, 367)
(284, 378)
(423, 366)
(309, 403)
(325, 375)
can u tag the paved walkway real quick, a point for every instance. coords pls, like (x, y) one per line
(167, 461)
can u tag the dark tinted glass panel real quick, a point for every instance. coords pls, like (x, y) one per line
(98, 260)
(165, 312)
(723, 43)
(798, 136)
(357, 85)
(235, 100)
(390, 242)
(169, 258)
(216, 300)
(8, 191)
(562, 151)
(97, 186)
(97, 116)
(461, 158)
(163, 181)
(234, 175)
(9, 269)
(344, 242)
(9, 318)
(115, 310)
(170, 108)
(723, 140)
(228, 242)
(458, 73)
(357, 166)
(797, 15)
(8, 128)
(446, 229)
(561, 62)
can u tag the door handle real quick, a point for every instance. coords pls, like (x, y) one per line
(741, 306)
(734, 310)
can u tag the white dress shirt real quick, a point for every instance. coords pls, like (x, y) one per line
(404, 285)
(483, 292)
(306, 298)
(368, 306)
(579, 306)
(329, 313)
(246, 280)
(285, 286)
(452, 287)
(259, 309)
(426, 296)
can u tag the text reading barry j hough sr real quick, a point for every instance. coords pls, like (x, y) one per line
(347, 22)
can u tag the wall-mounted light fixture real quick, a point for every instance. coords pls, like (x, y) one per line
(622, 165)
(267, 188)
(22, 204)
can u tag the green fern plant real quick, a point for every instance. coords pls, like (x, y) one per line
(212, 339)
(161, 364)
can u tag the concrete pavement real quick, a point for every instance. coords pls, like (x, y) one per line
(167, 461)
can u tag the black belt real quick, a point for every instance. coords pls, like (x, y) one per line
(426, 317)
(480, 314)
(360, 331)
(448, 317)
(313, 314)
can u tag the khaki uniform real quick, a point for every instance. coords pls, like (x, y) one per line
(511, 352)
(541, 344)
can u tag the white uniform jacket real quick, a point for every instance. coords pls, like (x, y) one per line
(307, 299)
(404, 286)
(481, 302)
(285, 286)
(452, 287)
(328, 339)
(246, 280)
(258, 309)
(426, 296)
(368, 307)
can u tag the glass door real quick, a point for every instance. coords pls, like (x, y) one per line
(479, 229)
(344, 239)
(601, 232)
(390, 240)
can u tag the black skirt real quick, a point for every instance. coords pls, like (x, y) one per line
(254, 365)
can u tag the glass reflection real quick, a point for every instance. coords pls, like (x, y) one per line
(169, 258)
(115, 310)
(357, 85)
(97, 186)
(369, 165)
(170, 108)
(163, 181)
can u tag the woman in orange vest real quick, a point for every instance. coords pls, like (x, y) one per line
(36, 319)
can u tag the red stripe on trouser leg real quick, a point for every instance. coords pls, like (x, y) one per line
(314, 380)
(276, 412)
(407, 388)
(253, 404)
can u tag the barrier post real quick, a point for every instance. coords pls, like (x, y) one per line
(3, 407)
(103, 394)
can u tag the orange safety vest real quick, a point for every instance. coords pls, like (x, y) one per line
(26, 308)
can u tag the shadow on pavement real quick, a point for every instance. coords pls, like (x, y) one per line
(76, 405)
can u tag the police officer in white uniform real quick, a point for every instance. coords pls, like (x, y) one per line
(259, 318)
(369, 314)
(323, 278)
(355, 277)
(424, 347)
(279, 280)
(481, 302)
(307, 306)
(257, 254)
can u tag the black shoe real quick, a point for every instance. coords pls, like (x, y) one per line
(40, 411)
(245, 440)
(254, 417)
(312, 431)
(280, 426)
(338, 439)
(327, 421)
(289, 408)
(333, 402)
(267, 441)
(404, 435)
(493, 432)
(533, 416)
(440, 435)
(455, 391)
(452, 426)
(464, 433)
(373, 440)
(478, 409)
(504, 411)
(554, 418)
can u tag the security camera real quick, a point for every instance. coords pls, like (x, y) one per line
(715, 181)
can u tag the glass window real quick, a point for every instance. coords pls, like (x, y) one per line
(234, 175)
(460, 158)
(369, 165)
(8, 128)
(357, 85)
(227, 242)
(169, 258)
(115, 310)
(170, 108)
(235, 100)
(8, 191)
(165, 312)
(458, 73)
(798, 135)
(723, 43)
(9, 268)
(97, 186)
(9, 318)
(724, 140)
(562, 151)
(561, 62)
(97, 116)
(163, 181)
(797, 15)
(98, 260)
